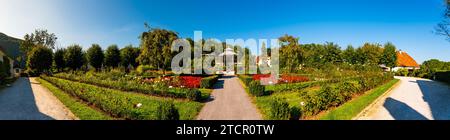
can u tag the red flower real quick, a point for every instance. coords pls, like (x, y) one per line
(259, 76)
(190, 81)
(293, 79)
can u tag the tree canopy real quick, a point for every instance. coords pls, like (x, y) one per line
(112, 56)
(94, 56)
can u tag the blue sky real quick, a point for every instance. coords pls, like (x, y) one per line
(406, 23)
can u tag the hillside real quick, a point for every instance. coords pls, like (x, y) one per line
(10, 45)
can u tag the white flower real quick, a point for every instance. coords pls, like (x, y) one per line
(270, 82)
(138, 105)
(302, 103)
(170, 87)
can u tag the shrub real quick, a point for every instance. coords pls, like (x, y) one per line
(443, 76)
(402, 72)
(167, 111)
(295, 113)
(143, 68)
(39, 59)
(279, 109)
(246, 79)
(194, 95)
(256, 89)
(208, 82)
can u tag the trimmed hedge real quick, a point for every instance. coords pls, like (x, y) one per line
(208, 82)
(167, 111)
(443, 76)
(121, 104)
(246, 79)
(128, 85)
(256, 89)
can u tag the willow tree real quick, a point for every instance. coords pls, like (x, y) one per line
(156, 48)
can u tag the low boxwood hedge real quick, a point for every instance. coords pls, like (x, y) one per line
(208, 82)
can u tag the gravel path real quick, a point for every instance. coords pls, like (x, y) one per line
(229, 102)
(26, 99)
(413, 99)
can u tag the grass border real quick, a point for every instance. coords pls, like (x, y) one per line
(352, 108)
(79, 109)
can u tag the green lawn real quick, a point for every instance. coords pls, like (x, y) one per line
(352, 108)
(79, 109)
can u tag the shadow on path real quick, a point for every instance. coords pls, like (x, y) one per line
(18, 103)
(401, 111)
(437, 95)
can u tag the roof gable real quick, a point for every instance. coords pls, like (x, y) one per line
(404, 60)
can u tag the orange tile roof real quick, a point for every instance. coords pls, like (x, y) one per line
(404, 60)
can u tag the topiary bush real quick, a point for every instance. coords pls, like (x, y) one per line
(167, 111)
(256, 89)
(208, 82)
(279, 109)
(295, 113)
(194, 94)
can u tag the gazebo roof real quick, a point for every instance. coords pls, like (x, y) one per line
(228, 51)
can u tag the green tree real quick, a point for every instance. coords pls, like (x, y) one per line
(349, 55)
(332, 53)
(369, 53)
(389, 57)
(291, 53)
(74, 57)
(59, 59)
(128, 56)
(156, 47)
(40, 59)
(112, 56)
(40, 37)
(94, 56)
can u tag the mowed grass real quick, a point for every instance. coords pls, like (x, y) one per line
(352, 108)
(79, 109)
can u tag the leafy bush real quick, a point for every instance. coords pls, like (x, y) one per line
(39, 59)
(208, 82)
(246, 79)
(143, 68)
(194, 95)
(402, 72)
(279, 109)
(256, 89)
(295, 113)
(167, 111)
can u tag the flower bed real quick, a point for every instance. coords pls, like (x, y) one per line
(122, 104)
(159, 89)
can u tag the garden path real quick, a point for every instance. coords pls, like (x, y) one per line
(413, 99)
(26, 99)
(229, 101)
